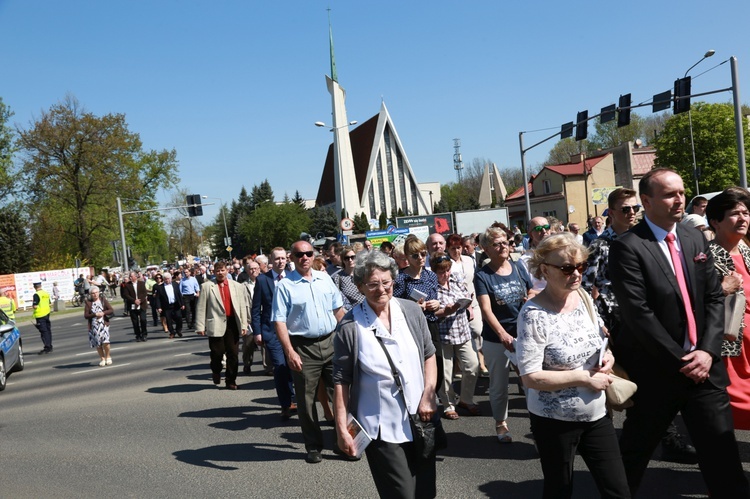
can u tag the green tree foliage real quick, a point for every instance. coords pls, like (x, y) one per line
(299, 200)
(382, 221)
(6, 146)
(361, 224)
(273, 225)
(456, 197)
(323, 220)
(260, 194)
(241, 208)
(15, 256)
(74, 165)
(565, 148)
(715, 147)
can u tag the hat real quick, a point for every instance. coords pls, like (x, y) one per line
(694, 220)
(37, 284)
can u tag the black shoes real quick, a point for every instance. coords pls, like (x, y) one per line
(216, 377)
(45, 351)
(675, 450)
(313, 456)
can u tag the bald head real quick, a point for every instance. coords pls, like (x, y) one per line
(435, 243)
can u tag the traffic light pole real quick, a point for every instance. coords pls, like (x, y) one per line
(120, 213)
(738, 122)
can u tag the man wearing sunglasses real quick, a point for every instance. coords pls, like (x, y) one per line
(672, 311)
(539, 228)
(307, 306)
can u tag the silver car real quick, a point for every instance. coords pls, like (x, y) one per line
(11, 349)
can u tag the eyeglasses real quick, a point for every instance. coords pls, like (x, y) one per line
(569, 269)
(350, 257)
(374, 286)
(626, 209)
(441, 259)
(500, 244)
(300, 254)
(540, 228)
(417, 256)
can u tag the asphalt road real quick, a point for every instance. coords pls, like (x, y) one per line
(154, 425)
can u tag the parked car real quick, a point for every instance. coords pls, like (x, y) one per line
(11, 349)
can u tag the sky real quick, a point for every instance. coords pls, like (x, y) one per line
(236, 86)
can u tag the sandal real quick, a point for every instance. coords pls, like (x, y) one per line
(473, 409)
(449, 414)
(503, 434)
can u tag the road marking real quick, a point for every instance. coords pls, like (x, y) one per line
(100, 368)
(183, 354)
(94, 351)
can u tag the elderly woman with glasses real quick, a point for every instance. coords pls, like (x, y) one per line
(502, 287)
(419, 284)
(97, 310)
(455, 338)
(343, 280)
(364, 383)
(564, 366)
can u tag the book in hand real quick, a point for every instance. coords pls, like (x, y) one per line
(463, 303)
(358, 434)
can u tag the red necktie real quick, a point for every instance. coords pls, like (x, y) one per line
(682, 283)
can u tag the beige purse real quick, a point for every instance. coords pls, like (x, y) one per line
(621, 390)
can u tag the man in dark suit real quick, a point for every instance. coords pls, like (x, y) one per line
(264, 330)
(135, 294)
(169, 304)
(672, 308)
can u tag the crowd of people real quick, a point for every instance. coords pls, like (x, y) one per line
(381, 334)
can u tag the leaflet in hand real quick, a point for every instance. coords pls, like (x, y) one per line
(603, 350)
(463, 303)
(358, 434)
(512, 355)
(417, 295)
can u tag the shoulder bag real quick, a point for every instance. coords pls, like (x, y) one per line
(620, 391)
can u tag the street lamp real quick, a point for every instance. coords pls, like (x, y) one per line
(323, 125)
(227, 241)
(690, 122)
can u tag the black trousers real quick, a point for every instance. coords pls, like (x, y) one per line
(557, 442)
(228, 345)
(154, 310)
(706, 412)
(173, 314)
(396, 472)
(140, 322)
(189, 301)
(435, 335)
(44, 326)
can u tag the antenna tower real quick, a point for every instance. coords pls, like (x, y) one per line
(458, 164)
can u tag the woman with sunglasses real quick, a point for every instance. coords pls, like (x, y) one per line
(420, 285)
(565, 370)
(501, 286)
(343, 279)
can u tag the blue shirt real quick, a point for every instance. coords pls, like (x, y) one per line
(189, 286)
(507, 294)
(306, 306)
(427, 283)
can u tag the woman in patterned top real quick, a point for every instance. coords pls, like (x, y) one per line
(343, 279)
(729, 216)
(558, 351)
(420, 285)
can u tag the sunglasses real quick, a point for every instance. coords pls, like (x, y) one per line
(374, 286)
(441, 259)
(350, 257)
(627, 209)
(300, 254)
(540, 228)
(417, 256)
(569, 269)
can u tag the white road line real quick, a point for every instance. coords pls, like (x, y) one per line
(182, 354)
(92, 351)
(100, 369)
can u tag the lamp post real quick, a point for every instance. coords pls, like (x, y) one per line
(227, 241)
(331, 129)
(690, 122)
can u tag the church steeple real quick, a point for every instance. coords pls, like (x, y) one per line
(334, 75)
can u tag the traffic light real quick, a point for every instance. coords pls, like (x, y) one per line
(661, 101)
(623, 108)
(195, 208)
(566, 130)
(682, 95)
(582, 125)
(607, 114)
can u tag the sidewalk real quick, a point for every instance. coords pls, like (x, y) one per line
(23, 316)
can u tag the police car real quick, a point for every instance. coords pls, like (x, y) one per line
(11, 349)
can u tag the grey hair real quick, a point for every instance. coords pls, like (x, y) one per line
(369, 261)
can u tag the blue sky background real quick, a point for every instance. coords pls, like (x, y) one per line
(235, 87)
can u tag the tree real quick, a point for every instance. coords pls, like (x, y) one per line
(299, 200)
(715, 147)
(15, 256)
(609, 135)
(6, 147)
(261, 194)
(361, 223)
(382, 220)
(74, 163)
(564, 149)
(272, 225)
(323, 220)
(456, 197)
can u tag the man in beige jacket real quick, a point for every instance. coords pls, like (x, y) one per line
(221, 314)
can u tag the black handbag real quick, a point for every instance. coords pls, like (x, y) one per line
(428, 436)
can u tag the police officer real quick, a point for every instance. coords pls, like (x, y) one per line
(7, 305)
(42, 309)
